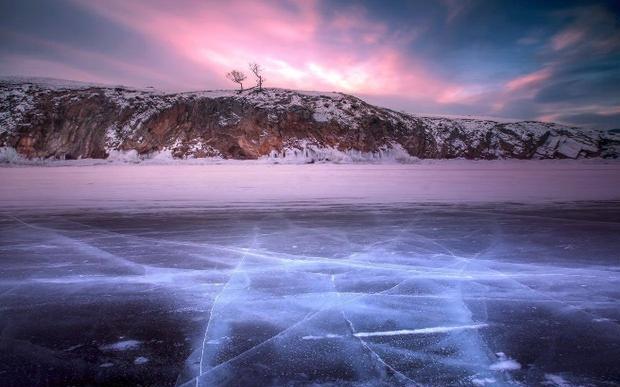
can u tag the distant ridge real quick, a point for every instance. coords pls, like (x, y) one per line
(45, 117)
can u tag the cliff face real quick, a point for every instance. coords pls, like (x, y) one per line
(80, 121)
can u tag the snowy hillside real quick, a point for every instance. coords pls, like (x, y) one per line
(43, 118)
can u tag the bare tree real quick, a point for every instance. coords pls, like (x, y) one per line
(237, 77)
(258, 73)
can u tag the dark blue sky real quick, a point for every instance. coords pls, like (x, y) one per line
(545, 60)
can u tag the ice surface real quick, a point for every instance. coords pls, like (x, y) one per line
(161, 186)
(431, 294)
(435, 273)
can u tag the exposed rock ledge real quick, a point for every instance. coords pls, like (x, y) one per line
(44, 119)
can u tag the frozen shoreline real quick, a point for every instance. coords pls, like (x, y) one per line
(130, 186)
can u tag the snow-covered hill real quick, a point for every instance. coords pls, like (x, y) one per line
(45, 118)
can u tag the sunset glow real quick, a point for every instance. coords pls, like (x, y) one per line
(418, 57)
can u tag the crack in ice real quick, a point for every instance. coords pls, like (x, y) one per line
(215, 300)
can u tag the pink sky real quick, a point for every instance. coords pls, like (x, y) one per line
(297, 46)
(438, 58)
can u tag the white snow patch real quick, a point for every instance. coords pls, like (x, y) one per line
(327, 336)
(602, 319)
(421, 331)
(140, 360)
(124, 345)
(320, 116)
(505, 363)
(468, 117)
(8, 155)
(482, 381)
(163, 157)
(402, 332)
(305, 152)
(556, 380)
(572, 148)
(130, 156)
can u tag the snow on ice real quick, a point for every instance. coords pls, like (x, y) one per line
(457, 181)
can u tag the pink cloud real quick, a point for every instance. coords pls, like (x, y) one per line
(297, 45)
(529, 80)
(521, 87)
(566, 38)
(593, 30)
(561, 110)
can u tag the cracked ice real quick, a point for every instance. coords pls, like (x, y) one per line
(362, 295)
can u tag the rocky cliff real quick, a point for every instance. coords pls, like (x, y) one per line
(45, 119)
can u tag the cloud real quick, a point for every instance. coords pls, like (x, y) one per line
(299, 45)
(591, 30)
(575, 82)
(567, 37)
(592, 120)
(529, 80)
(454, 57)
(455, 8)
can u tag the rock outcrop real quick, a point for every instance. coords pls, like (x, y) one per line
(44, 119)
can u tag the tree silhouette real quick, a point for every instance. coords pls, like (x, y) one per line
(258, 73)
(237, 77)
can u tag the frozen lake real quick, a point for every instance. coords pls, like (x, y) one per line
(250, 184)
(360, 295)
(168, 281)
